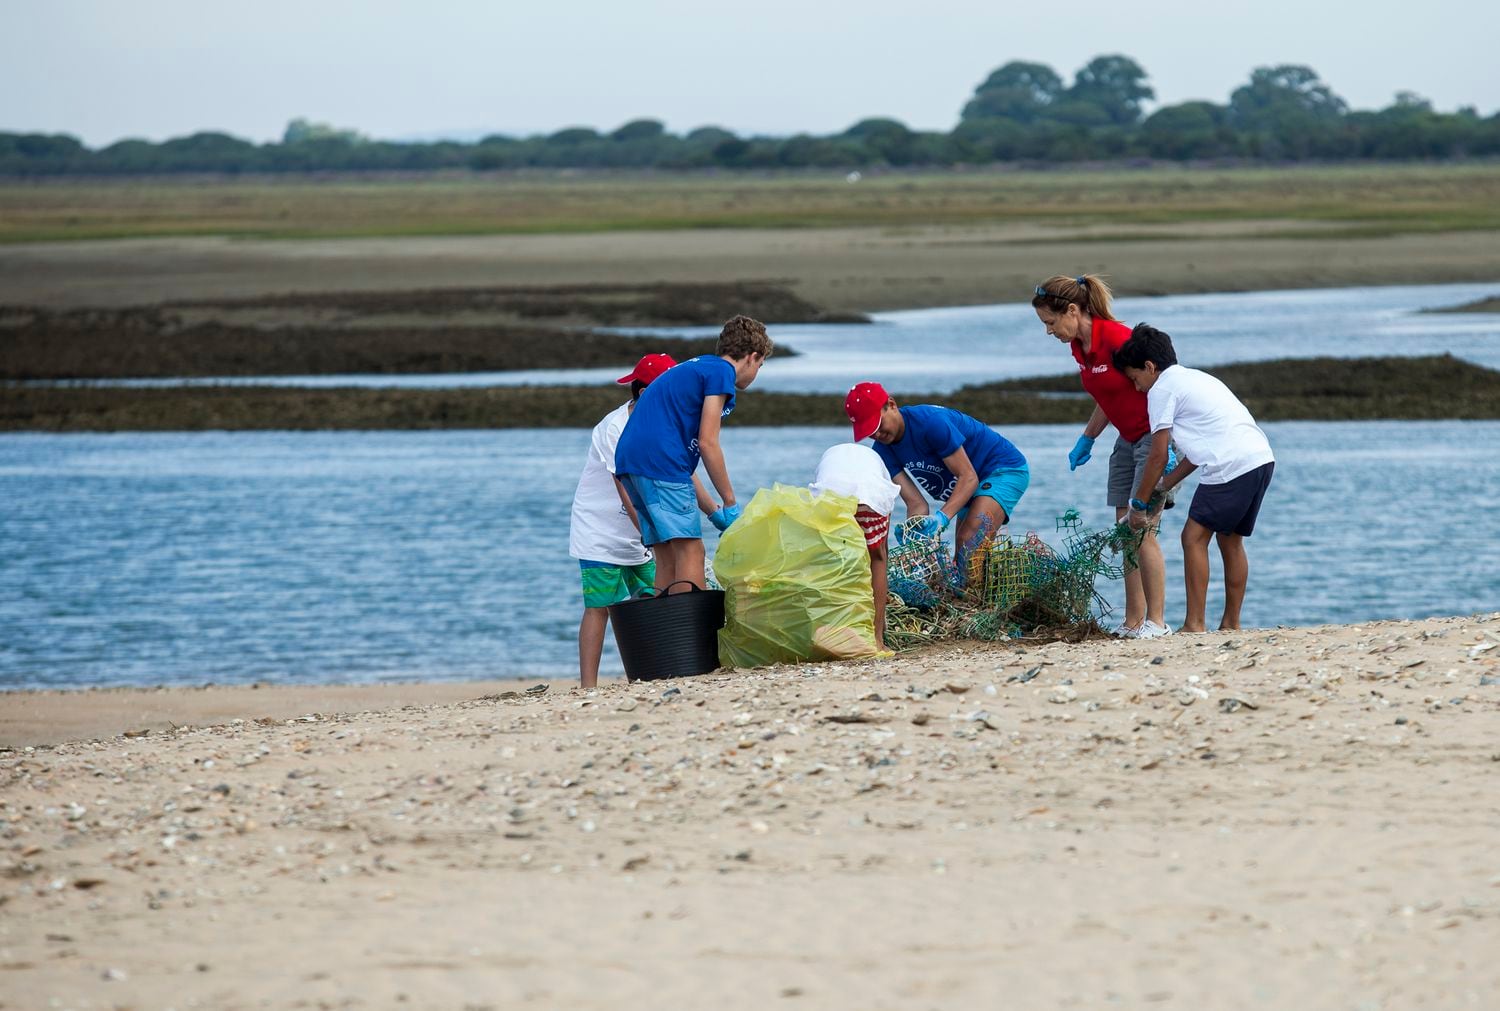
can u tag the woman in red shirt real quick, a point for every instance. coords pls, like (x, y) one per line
(1076, 310)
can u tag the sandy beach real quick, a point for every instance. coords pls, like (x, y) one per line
(1276, 818)
(839, 269)
(1270, 818)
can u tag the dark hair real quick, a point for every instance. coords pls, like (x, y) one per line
(636, 386)
(1087, 291)
(1146, 344)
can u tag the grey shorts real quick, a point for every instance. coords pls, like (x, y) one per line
(1125, 465)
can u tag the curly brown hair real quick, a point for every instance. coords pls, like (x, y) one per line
(743, 336)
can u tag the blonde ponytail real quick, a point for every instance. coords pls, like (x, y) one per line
(1087, 291)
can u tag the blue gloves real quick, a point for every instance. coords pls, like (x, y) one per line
(1171, 460)
(1079, 454)
(722, 518)
(931, 525)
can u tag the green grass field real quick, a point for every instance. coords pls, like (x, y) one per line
(1348, 200)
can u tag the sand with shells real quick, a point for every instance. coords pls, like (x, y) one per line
(1275, 818)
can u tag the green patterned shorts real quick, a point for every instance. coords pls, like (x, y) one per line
(605, 584)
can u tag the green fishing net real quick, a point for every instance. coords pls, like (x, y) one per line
(1005, 587)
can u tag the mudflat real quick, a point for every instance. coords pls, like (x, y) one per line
(1291, 817)
(836, 269)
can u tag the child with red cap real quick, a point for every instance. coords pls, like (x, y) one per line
(976, 475)
(613, 563)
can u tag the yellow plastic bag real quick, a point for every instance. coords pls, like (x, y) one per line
(796, 576)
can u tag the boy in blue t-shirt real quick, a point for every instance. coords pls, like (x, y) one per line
(967, 467)
(674, 425)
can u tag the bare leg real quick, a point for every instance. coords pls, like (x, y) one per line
(1135, 594)
(1236, 574)
(591, 644)
(880, 585)
(666, 563)
(1195, 538)
(690, 560)
(1153, 576)
(985, 519)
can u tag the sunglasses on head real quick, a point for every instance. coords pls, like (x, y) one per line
(1044, 293)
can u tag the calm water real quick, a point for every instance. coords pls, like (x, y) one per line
(367, 556)
(938, 350)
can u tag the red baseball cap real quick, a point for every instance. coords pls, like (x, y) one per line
(863, 405)
(648, 369)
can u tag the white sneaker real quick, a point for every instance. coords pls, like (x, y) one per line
(1150, 630)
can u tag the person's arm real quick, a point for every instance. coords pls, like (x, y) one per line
(602, 446)
(709, 449)
(1096, 424)
(958, 463)
(880, 584)
(1179, 473)
(1156, 465)
(706, 503)
(911, 495)
(1083, 449)
(625, 501)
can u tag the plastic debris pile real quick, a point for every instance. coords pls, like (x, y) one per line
(1002, 586)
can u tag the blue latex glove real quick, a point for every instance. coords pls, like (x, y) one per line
(931, 525)
(1079, 454)
(722, 518)
(1171, 460)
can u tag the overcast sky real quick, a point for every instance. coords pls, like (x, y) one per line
(103, 70)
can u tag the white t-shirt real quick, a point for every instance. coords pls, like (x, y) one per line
(1209, 424)
(851, 468)
(601, 530)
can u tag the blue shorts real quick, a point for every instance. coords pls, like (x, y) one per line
(1231, 507)
(668, 509)
(1005, 487)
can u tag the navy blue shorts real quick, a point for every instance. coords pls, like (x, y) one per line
(1231, 507)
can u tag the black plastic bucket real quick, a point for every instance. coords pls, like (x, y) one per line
(670, 635)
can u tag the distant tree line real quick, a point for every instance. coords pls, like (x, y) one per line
(1023, 113)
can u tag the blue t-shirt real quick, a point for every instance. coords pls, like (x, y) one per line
(935, 432)
(660, 440)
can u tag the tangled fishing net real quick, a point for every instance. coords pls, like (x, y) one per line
(1004, 587)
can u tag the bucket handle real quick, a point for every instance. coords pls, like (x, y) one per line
(648, 592)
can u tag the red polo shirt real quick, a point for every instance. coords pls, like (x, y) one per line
(1122, 403)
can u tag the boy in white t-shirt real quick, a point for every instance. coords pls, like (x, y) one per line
(613, 563)
(1216, 436)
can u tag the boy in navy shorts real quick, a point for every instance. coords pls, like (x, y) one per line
(1216, 436)
(674, 426)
